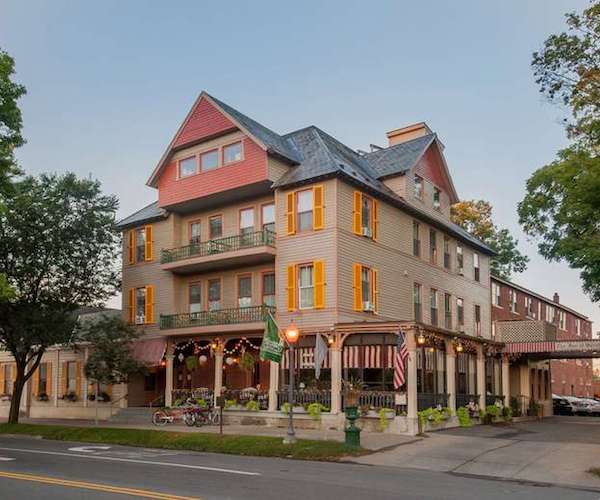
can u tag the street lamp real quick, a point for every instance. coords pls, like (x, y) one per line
(291, 335)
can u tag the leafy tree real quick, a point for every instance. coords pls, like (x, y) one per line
(58, 249)
(562, 209)
(110, 360)
(567, 70)
(10, 120)
(475, 216)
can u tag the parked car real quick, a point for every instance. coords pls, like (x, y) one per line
(561, 406)
(583, 406)
(592, 407)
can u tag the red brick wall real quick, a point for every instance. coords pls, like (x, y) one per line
(569, 377)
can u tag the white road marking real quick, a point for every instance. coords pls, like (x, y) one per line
(89, 449)
(6, 459)
(131, 460)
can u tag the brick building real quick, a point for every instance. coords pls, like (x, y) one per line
(511, 302)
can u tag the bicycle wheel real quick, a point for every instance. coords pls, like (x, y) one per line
(189, 417)
(201, 419)
(160, 418)
(215, 417)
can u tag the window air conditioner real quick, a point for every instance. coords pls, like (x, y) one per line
(368, 306)
(366, 231)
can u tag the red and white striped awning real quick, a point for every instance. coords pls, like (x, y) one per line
(529, 347)
(353, 356)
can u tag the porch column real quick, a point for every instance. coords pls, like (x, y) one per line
(84, 380)
(335, 353)
(506, 380)
(218, 372)
(169, 380)
(411, 378)
(273, 385)
(451, 375)
(481, 376)
(56, 377)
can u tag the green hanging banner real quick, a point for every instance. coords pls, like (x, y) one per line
(271, 347)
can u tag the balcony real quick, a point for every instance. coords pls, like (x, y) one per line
(219, 317)
(233, 251)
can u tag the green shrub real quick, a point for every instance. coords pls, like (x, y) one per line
(229, 403)
(315, 410)
(383, 418)
(285, 408)
(201, 403)
(252, 406)
(464, 419)
(492, 410)
(432, 415)
(507, 413)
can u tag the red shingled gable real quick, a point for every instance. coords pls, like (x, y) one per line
(205, 120)
(431, 167)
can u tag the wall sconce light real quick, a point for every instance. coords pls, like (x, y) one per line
(421, 339)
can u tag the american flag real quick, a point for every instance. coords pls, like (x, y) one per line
(400, 361)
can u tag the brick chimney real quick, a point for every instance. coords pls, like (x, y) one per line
(556, 298)
(408, 133)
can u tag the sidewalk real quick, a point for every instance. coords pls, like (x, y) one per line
(373, 441)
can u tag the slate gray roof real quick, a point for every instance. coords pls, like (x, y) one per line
(399, 158)
(147, 214)
(273, 141)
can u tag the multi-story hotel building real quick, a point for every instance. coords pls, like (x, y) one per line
(511, 302)
(352, 246)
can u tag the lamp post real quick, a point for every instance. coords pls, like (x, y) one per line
(291, 335)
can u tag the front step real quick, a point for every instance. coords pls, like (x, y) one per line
(135, 415)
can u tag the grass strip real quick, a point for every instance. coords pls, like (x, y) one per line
(259, 446)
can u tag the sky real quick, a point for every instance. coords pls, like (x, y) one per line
(110, 82)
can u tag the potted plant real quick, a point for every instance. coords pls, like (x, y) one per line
(43, 397)
(70, 396)
(352, 389)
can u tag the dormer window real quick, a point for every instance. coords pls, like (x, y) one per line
(209, 160)
(232, 153)
(187, 167)
(418, 187)
(437, 194)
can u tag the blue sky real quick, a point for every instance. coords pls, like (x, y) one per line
(109, 83)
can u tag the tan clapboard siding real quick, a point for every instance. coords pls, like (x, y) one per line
(231, 216)
(426, 203)
(149, 273)
(229, 287)
(398, 269)
(276, 169)
(304, 248)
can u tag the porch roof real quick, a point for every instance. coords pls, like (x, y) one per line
(556, 349)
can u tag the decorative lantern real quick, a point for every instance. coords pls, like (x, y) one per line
(203, 359)
(229, 360)
(181, 357)
(459, 347)
(421, 339)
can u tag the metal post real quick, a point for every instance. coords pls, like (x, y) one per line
(291, 435)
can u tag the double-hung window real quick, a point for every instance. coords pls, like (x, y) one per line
(195, 232)
(246, 225)
(562, 320)
(513, 301)
(529, 307)
(366, 279)
(577, 326)
(448, 311)
(188, 166)
(209, 160)
(496, 298)
(268, 217)
(460, 259)
(437, 195)
(268, 289)
(140, 244)
(416, 239)
(42, 379)
(71, 376)
(460, 313)
(232, 153)
(418, 182)
(478, 320)
(476, 269)
(215, 227)
(8, 378)
(195, 298)
(140, 305)
(433, 302)
(306, 286)
(214, 294)
(417, 301)
(433, 246)
(446, 252)
(244, 291)
(367, 215)
(304, 209)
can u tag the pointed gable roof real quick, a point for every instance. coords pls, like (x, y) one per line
(196, 126)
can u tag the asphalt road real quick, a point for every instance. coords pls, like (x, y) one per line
(31, 468)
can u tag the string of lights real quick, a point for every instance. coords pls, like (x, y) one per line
(243, 342)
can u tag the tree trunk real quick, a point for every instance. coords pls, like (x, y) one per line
(15, 402)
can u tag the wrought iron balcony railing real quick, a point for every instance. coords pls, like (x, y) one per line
(217, 317)
(218, 246)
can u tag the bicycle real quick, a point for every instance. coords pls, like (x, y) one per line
(166, 416)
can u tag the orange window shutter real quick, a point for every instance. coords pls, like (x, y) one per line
(2, 378)
(131, 305)
(375, 220)
(149, 312)
(13, 372)
(35, 381)
(357, 285)
(319, 290)
(49, 384)
(78, 373)
(375, 285)
(131, 247)
(290, 212)
(291, 287)
(318, 214)
(65, 377)
(149, 250)
(357, 213)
